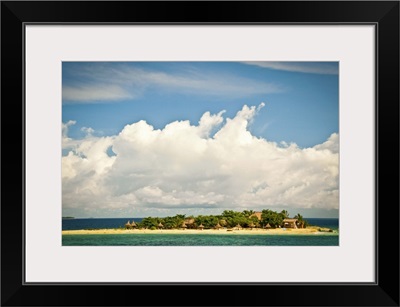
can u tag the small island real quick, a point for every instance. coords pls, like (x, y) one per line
(228, 222)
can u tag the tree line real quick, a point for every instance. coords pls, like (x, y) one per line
(228, 219)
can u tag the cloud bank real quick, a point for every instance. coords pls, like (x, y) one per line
(216, 163)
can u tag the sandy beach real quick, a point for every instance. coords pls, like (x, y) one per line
(255, 231)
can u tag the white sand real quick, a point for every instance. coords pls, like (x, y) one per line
(255, 231)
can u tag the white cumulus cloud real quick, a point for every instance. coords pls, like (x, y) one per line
(187, 166)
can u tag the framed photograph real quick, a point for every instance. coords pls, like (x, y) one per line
(193, 165)
(250, 146)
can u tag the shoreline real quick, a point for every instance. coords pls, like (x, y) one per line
(256, 231)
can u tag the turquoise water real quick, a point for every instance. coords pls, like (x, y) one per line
(200, 240)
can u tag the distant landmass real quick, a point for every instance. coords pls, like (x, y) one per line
(68, 217)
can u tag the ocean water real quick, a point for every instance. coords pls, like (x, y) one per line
(76, 224)
(200, 240)
(324, 222)
(159, 239)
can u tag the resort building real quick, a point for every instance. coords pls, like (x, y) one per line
(290, 223)
(257, 215)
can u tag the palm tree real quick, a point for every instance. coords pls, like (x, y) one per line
(248, 213)
(300, 220)
(285, 214)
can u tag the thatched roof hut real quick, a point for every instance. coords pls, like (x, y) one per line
(128, 225)
(189, 221)
(218, 226)
(201, 227)
(238, 226)
(133, 224)
(268, 226)
(160, 225)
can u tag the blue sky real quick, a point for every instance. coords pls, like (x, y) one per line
(301, 98)
(161, 138)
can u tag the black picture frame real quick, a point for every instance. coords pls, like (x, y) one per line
(383, 14)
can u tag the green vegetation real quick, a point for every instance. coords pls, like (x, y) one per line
(169, 222)
(227, 219)
(274, 219)
(302, 223)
